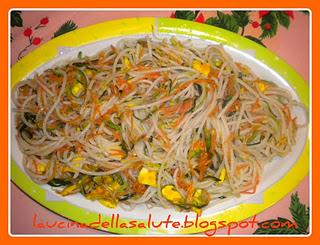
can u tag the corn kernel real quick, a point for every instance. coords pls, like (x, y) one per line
(202, 68)
(262, 87)
(77, 89)
(222, 176)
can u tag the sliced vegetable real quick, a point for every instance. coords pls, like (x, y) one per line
(111, 125)
(71, 189)
(77, 89)
(127, 63)
(109, 203)
(171, 194)
(200, 198)
(222, 176)
(59, 182)
(86, 185)
(147, 177)
(202, 68)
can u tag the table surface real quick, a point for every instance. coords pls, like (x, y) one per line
(291, 44)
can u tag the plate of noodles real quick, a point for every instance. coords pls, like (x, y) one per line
(156, 116)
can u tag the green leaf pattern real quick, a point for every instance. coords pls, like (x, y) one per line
(299, 225)
(65, 28)
(238, 20)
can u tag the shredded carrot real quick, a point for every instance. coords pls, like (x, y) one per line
(117, 136)
(53, 77)
(256, 106)
(186, 106)
(153, 75)
(254, 189)
(287, 114)
(114, 89)
(119, 153)
(235, 106)
(181, 181)
(163, 135)
(180, 119)
(204, 161)
(189, 193)
(63, 148)
(240, 167)
(138, 188)
(170, 110)
(213, 73)
(131, 122)
(191, 168)
(199, 145)
(230, 87)
(214, 111)
(121, 81)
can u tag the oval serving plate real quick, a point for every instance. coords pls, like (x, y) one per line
(280, 176)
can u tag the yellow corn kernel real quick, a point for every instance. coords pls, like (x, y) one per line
(88, 72)
(115, 186)
(218, 62)
(282, 141)
(127, 63)
(77, 159)
(41, 167)
(68, 169)
(77, 89)
(262, 86)
(202, 68)
(222, 176)
(147, 177)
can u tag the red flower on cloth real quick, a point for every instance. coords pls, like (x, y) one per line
(36, 41)
(263, 13)
(27, 32)
(200, 18)
(290, 14)
(32, 40)
(255, 24)
(267, 26)
(44, 21)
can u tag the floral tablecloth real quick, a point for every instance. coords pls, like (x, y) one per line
(284, 32)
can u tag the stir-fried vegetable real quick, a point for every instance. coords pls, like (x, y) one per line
(147, 177)
(150, 121)
(202, 68)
